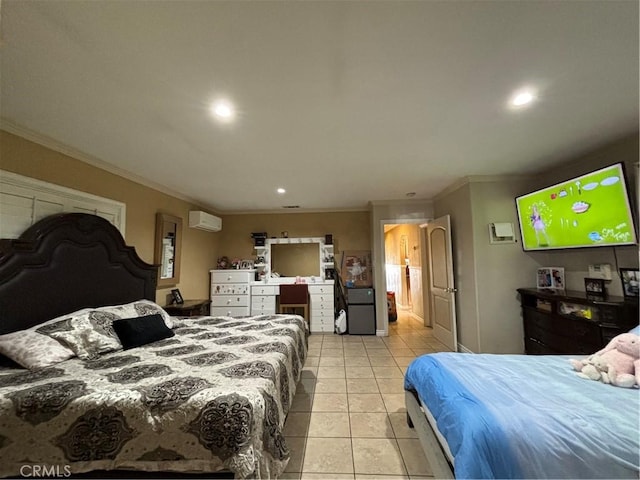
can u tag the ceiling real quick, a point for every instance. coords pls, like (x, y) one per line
(340, 103)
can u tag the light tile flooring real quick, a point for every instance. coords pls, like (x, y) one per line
(348, 419)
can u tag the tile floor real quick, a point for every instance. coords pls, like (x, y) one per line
(348, 419)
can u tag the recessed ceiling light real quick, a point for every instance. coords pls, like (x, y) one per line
(522, 98)
(223, 110)
(281, 190)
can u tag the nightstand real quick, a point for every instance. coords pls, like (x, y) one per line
(190, 308)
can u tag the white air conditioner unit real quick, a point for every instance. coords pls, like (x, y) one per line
(204, 221)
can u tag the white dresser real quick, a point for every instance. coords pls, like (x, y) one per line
(322, 309)
(230, 292)
(263, 299)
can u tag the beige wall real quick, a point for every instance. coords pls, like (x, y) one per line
(350, 230)
(499, 268)
(199, 248)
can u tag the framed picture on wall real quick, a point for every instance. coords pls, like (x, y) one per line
(356, 269)
(630, 282)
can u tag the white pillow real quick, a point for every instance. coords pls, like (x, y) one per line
(33, 350)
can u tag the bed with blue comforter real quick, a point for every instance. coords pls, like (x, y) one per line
(518, 416)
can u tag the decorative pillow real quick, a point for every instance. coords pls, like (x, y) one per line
(135, 332)
(139, 308)
(88, 334)
(33, 350)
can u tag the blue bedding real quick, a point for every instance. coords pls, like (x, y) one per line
(518, 416)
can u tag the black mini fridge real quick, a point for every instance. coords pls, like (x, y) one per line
(361, 311)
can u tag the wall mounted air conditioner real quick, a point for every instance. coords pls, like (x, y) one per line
(204, 221)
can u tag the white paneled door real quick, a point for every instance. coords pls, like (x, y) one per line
(441, 282)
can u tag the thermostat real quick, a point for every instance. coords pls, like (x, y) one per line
(601, 270)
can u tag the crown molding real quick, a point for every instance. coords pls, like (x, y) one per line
(50, 143)
(288, 211)
(412, 201)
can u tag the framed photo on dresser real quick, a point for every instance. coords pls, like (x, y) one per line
(177, 296)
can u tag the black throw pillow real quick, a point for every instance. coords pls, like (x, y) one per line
(138, 331)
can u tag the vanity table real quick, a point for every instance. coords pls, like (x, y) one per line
(321, 301)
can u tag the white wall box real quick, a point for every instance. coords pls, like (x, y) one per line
(204, 221)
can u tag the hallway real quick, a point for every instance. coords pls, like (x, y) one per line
(408, 332)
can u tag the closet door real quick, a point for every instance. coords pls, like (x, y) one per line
(25, 200)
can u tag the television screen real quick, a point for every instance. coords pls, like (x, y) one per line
(587, 211)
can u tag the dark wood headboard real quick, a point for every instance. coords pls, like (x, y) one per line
(66, 262)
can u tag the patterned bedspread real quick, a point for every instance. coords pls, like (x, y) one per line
(214, 397)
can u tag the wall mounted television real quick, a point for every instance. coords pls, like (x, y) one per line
(592, 210)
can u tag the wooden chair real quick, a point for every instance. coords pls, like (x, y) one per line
(295, 296)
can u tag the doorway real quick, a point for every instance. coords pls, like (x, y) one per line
(404, 258)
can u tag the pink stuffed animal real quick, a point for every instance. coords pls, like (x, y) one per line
(618, 363)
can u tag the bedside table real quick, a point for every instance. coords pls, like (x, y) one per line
(190, 308)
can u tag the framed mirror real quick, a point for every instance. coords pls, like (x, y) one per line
(167, 249)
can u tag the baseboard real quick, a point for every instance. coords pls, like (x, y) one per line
(463, 349)
(381, 333)
(417, 317)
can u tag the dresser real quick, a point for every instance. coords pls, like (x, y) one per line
(231, 292)
(321, 298)
(263, 299)
(570, 323)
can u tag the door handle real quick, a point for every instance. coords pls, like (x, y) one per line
(450, 290)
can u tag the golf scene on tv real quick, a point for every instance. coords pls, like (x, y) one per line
(587, 211)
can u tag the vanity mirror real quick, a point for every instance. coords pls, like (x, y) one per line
(167, 249)
(295, 259)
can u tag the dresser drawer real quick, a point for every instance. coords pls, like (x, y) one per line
(263, 309)
(268, 300)
(229, 300)
(264, 290)
(321, 327)
(325, 289)
(322, 298)
(322, 315)
(321, 302)
(229, 289)
(231, 276)
(230, 311)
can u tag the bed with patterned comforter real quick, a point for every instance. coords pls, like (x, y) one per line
(213, 397)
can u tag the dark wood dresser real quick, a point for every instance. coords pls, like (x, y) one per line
(570, 323)
(190, 308)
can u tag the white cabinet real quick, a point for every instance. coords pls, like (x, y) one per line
(230, 292)
(322, 309)
(263, 299)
